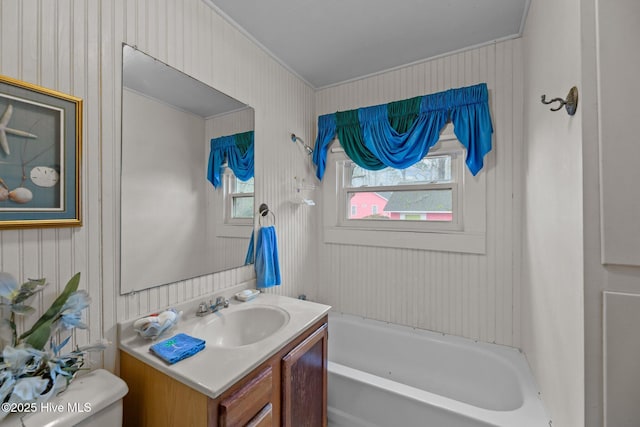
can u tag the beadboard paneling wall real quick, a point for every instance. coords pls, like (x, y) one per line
(54, 44)
(74, 46)
(476, 296)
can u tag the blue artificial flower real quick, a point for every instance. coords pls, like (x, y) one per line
(34, 364)
(70, 315)
(57, 371)
(28, 389)
(16, 358)
(27, 373)
(55, 348)
(60, 369)
(6, 384)
(22, 360)
(9, 288)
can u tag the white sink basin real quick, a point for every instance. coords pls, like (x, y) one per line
(241, 327)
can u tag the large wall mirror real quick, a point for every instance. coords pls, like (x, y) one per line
(174, 224)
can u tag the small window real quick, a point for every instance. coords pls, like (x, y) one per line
(434, 205)
(239, 198)
(426, 193)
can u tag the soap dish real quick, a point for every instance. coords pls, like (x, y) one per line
(247, 294)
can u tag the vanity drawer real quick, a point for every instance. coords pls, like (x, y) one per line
(248, 402)
(264, 418)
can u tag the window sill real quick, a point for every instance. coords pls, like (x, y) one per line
(463, 242)
(240, 231)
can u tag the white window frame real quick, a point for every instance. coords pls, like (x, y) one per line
(466, 234)
(220, 204)
(457, 162)
(230, 195)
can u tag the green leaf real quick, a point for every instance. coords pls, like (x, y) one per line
(36, 337)
(28, 289)
(39, 337)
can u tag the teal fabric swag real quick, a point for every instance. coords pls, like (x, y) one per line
(401, 133)
(237, 151)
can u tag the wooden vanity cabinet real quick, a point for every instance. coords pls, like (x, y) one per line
(288, 389)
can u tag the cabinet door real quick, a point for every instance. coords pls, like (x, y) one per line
(304, 382)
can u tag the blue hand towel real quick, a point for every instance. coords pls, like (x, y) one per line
(177, 348)
(249, 259)
(267, 265)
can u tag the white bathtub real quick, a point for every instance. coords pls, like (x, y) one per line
(388, 375)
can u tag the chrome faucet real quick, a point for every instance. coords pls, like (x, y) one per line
(203, 309)
(221, 302)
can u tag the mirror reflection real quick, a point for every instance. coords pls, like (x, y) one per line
(179, 138)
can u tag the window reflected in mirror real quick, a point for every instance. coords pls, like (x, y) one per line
(239, 198)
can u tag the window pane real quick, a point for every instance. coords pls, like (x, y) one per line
(244, 186)
(242, 207)
(432, 169)
(422, 205)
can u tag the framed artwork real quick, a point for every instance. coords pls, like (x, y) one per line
(40, 153)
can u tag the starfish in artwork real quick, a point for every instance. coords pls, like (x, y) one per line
(4, 130)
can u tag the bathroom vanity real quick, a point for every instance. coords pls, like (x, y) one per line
(258, 369)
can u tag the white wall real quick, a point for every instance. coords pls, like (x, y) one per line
(552, 287)
(476, 296)
(160, 184)
(75, 47)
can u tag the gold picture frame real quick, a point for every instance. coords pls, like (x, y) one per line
(40, 156)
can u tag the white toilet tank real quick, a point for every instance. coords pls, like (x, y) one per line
(94, 399)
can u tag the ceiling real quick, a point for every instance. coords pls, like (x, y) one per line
(333, 41)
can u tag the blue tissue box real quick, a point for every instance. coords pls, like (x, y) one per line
(177, 348)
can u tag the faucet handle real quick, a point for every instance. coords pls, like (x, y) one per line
(222, 301)
(202, 309)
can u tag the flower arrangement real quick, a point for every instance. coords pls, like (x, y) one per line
(31, 374)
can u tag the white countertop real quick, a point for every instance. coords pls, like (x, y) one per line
(214, 369)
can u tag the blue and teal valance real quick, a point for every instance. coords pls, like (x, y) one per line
(237, 151)
(401, 133)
